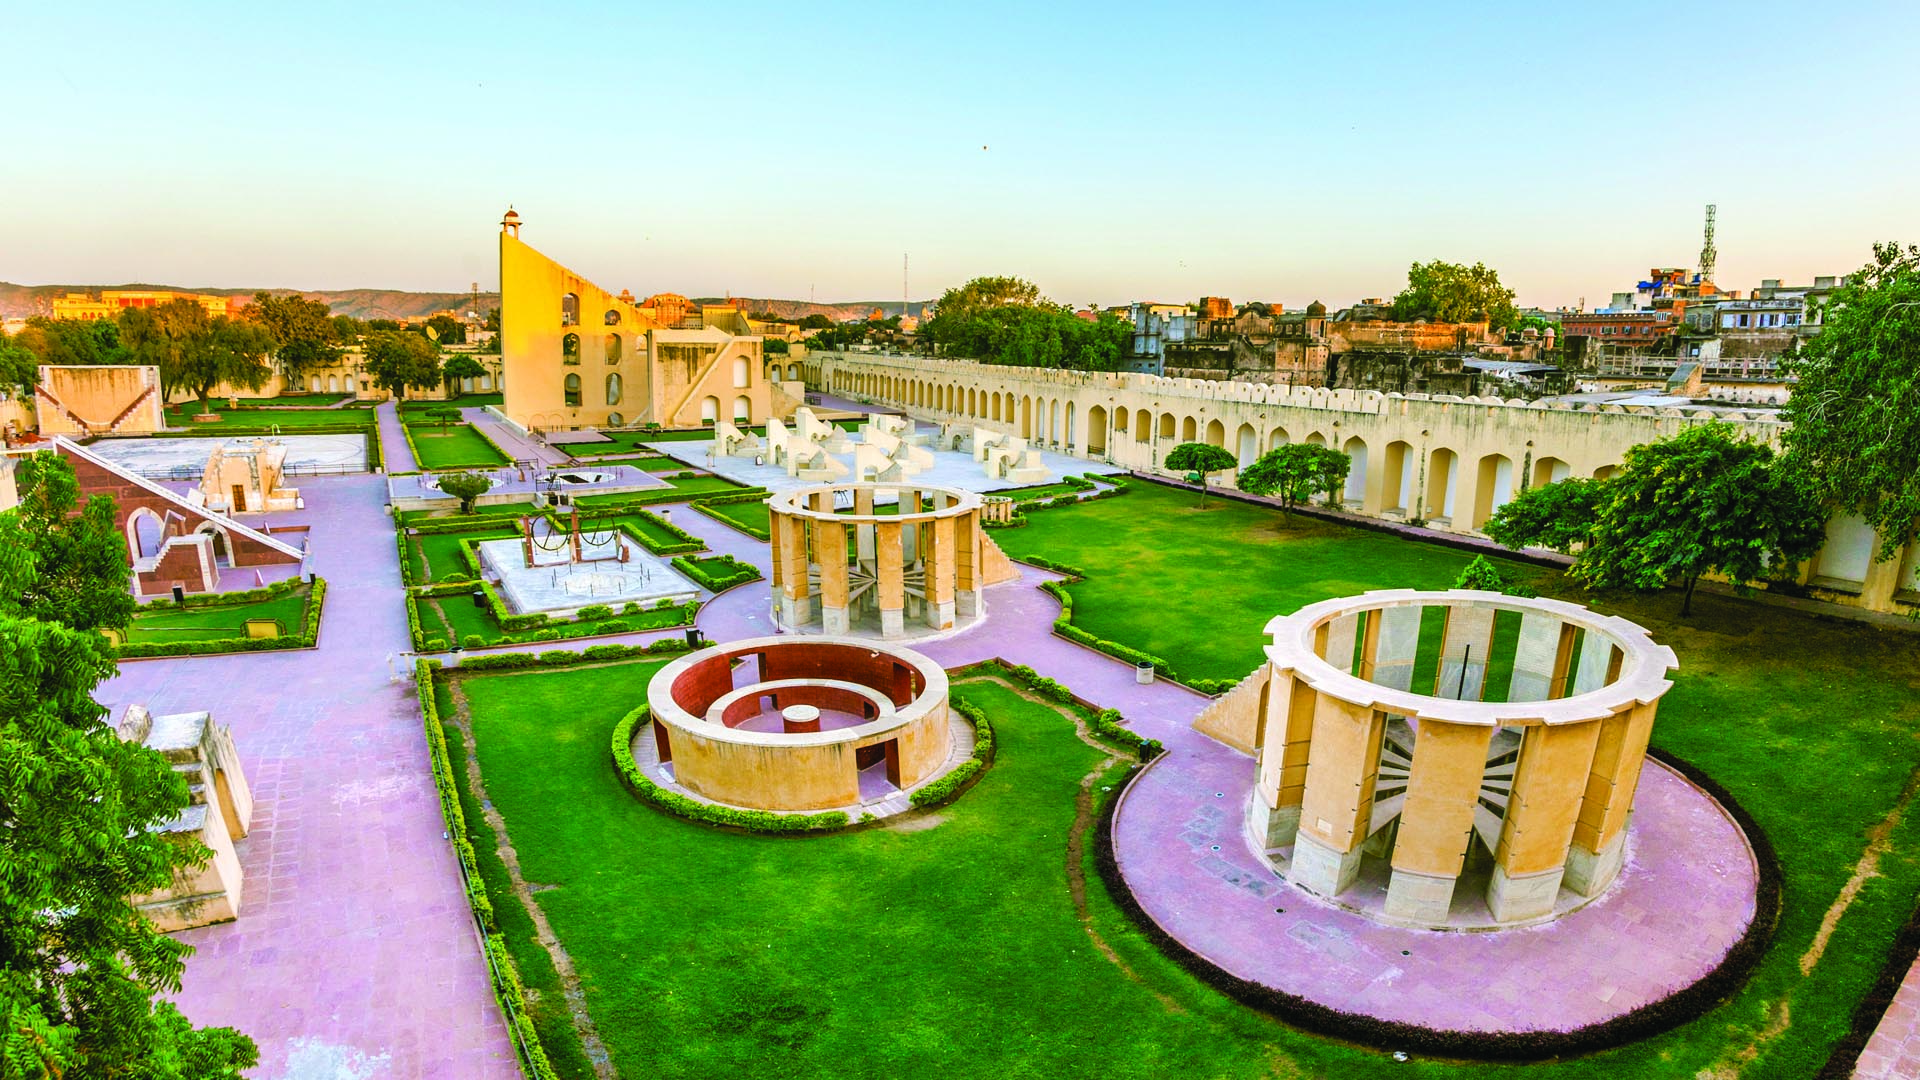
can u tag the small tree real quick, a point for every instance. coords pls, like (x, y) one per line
(1481, 574)
(1294, 472)
(460, 367)
(1558, 516)
(1199, 460)
(1703, 500)
(445, 416)
(465, 486)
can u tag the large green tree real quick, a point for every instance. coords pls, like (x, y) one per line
(1450, 292)
(80, 968)
(460, 366)
(71, 342)
(81, 556)
(1855, 407)
(303, 331)
(18, 366)
(398, 360)
(1295, 472)
(447, 330)
(1199, 460)
(1705, 500)
(1004, 320)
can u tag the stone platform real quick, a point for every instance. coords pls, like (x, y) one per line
(555, 585)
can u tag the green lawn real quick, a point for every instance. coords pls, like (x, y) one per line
(417, 517)
(1810, 722)
(247, 420)
(458, 446)
(753, 515)
(689, 486)
(455, 617)
(215, 622)
(434, 557)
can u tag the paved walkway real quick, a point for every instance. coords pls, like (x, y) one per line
(354, 955)
(396, 455)
(1894, 1051)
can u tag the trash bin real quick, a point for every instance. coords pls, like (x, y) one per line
(1143, 672)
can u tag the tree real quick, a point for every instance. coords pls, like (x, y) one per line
(1704, 500)
(230, 351)
(302, 329)
(347, 329)
(1003, 320)
(815, 321)
(397, 360)
(492, 324)
(1449, 292)
(1199, 460)
(72, 342)
(79, 966)
(1558, 516)
(81, 580)
(19, 367)
(466, 487)
(1294, 472)
(1481, 574)
(460, 366)
(447, 330)
(1855, 412)
(445, 417)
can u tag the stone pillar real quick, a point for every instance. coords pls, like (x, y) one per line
(1436, 820)
(1535, 657)
(1548, 783)
(942, 567)
(1463, 653)
(967, 553)
(1599, 663)
(890, 583)
(1600, 834)
(1285, 733)
(796, 604)
(830, 544)
(1334, 641)
(1344, 762)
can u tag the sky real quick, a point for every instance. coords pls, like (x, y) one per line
(1109, 152)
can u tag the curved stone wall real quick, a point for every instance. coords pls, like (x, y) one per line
(782, 723)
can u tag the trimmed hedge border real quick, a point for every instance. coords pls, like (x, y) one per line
(1682, 1006)
(406, 429)
(736, 573)
(307, 638)
(603, 625)
(754, 821)
(1063, 626)
(704, 506)
(1106, 723)
(966, 774)
(671, 495)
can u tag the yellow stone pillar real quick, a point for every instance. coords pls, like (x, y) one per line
(1284, 737)
(890, 583)
(1342, 767)
(796, 595)
(942, 568)
(1548, 784)
(830, 544)
(1600, 833)
(1436, 820)
(967, 597)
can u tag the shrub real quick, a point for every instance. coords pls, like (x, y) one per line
(436, 644)
(1480, 574)
(593, 612)
(473, 641)
(613, 626)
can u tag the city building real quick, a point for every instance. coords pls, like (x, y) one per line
(111, 302)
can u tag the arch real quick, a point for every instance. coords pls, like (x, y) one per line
(333, 384)
(1356, 489)
(1066, 440)
(1142, 425)
(1097, 430)
(222, 543)
(313, 383)
(1316, 439)
(743, 410)
(1120, 424)
(1604, 471)
(614, 419)
(570, 390)
(569, 309)
(972, 403)
(793, 372)
(1026, 417)
(613, 388)
(1189, 430)
(1247, 444)
(612, 317)
(612, 346)
(1441, 484)
(1166, 425)
(1399, 476)
(995, 407)
(1053, 422)
(709, 409)
(570, 349)
(142, 543)
(1216, 434)
(742, 373)
(1549, 470)
(1495, 488)
(1277, 437)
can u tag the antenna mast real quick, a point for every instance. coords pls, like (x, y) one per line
(1707, 252)
(903, 286)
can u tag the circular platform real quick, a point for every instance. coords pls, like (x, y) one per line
(1684, 898)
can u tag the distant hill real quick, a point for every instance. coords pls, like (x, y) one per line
(20, 301)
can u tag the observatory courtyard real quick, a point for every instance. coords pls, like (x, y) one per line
(840, 728)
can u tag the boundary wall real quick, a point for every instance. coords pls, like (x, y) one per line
(1441, 461)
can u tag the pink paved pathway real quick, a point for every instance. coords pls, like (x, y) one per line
(516, 446)
(1894, 1051)
(395, 455)
(354, 955)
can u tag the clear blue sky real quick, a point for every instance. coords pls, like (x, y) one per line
(1108, 152)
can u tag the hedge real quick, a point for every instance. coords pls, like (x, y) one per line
(1063, 626)
(759, 821)
(704, 507)
(1685, 1005)
(732, 572)
(406, 429)
(307, 638)
(1107, 724)
(653, 498)
(947, 788)
(581, 626)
